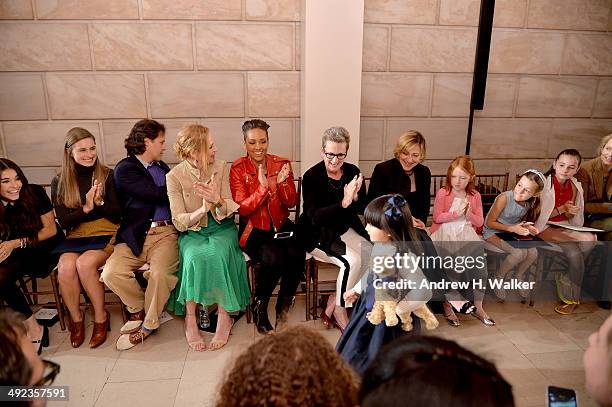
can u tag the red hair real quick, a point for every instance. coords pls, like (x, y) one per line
(466, 163)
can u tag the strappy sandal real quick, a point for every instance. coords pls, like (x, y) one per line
(454, 322)
(198, 345)
(566, 309)
(217, 344)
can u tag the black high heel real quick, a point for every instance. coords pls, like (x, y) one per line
(466, 308)
(43, 342)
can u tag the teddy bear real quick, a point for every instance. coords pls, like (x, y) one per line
(387, 311)
(389, 303)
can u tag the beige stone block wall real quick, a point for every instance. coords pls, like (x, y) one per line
(16, 9)
(104, 64)
(569, 14)
(603, 103)
(509, 13)
(549, 85)
(135, 46)
(251, 46)
(86, 9)
(44, 47)
(14, 86)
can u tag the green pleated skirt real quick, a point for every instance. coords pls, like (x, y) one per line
(212, 269)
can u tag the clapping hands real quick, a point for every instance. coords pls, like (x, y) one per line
(283, 174)
(351, 190)
(207, 190)
(93, 197)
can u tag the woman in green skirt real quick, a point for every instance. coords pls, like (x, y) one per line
(212, 269)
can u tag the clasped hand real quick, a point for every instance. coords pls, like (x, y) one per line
(93, 197)
(524, 229)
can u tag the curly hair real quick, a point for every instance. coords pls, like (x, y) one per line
(296, 367)
(146, 128)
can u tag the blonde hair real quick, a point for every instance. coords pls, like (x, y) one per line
(192, 140)
(68, 193)
(408, 140)
(603, 143)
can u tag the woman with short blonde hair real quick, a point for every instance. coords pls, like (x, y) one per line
(212, 268)
(405, 175)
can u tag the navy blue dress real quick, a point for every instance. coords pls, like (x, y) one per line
(361, 339)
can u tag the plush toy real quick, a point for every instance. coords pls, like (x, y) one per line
(387, 311)
(391, 303)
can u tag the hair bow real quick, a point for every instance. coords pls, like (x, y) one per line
(394, 210)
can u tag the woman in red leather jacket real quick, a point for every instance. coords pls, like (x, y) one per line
(262, 184)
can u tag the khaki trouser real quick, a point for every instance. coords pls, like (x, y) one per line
(160, 250)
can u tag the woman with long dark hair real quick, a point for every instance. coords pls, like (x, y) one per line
(86, 205)
(28, 233)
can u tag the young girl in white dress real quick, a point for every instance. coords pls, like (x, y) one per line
(457, 214)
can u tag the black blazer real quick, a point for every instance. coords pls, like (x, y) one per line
(390, 178)
(138, 195)
(324, 219)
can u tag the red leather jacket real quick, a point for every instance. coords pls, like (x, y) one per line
(258, 204)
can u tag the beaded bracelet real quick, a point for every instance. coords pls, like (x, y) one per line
(23, 242)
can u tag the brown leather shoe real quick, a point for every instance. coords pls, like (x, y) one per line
(77, 331)
(99, 332)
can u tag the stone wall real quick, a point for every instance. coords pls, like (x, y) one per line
(103, 64)
(549, 84)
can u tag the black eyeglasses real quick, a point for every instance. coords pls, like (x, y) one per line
(330, 156)
(50, 372)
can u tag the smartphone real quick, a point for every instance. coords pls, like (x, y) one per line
(283, 235)
(560, 397)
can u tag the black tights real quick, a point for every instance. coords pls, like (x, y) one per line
(21, 262)
(276, 259)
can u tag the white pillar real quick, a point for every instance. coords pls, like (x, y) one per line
(332, 48)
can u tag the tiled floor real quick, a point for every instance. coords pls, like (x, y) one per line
(533, 347)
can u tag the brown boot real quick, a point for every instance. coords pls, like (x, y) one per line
(77, 331)
(99, 332)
